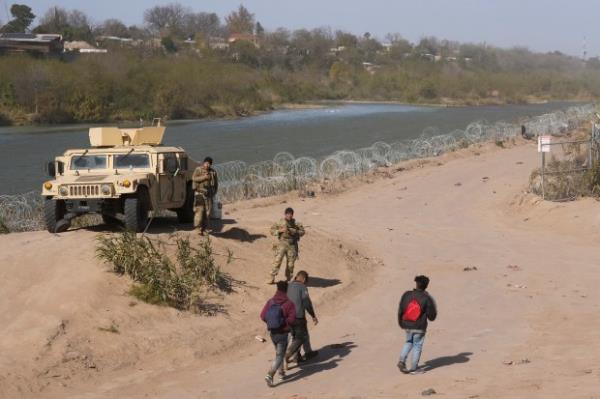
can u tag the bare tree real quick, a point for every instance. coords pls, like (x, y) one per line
(73, 25)
(202, 24)
(167, 20)
(240, 21)
(113, 27)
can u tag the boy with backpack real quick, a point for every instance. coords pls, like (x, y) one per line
(416, 307)
(279, 313)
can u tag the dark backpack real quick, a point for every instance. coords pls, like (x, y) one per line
(275, 318)
(413, 311)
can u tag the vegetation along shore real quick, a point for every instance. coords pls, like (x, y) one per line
(182, 64)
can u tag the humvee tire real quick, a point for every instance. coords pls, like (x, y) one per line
(185, 214)
(110, 220)
(136, 211)
(54, 211)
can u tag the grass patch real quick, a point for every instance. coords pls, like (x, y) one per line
(180, 278)
(113, 328)
(500, 143)
(3, 228)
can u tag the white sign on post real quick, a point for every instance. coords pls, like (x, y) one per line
(544, 143)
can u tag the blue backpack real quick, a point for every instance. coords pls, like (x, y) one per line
(275, 318)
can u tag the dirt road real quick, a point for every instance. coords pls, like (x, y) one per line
(522, 323)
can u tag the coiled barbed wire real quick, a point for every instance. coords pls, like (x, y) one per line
(238, 180)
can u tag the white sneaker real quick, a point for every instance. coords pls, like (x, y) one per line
(269, 380)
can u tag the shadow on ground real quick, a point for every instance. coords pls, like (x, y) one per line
(319, 282)
(328, 358)
(447, 361)
(236, 233)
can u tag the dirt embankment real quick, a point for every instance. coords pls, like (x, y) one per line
(66, 319)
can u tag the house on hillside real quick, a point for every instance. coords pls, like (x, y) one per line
(49, 44)
(217, 43)
(370, 67)
(243, 37)
(83, 48)
(106, 41)
(337, 50)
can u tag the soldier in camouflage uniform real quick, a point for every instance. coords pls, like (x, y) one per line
(205, 185)
(288, 233)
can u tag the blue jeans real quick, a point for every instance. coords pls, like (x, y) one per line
(414, 342)
(280, 341)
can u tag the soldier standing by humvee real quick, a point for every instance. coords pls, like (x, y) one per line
(288, 232)
(205, 185)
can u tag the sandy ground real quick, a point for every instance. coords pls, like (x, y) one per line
(523, 324)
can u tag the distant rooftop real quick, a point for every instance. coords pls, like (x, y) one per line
(30, 37)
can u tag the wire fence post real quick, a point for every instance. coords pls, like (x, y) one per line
(543, 177)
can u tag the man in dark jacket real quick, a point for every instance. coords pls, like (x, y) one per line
(280, 312)
(298, 293)
(416, 307)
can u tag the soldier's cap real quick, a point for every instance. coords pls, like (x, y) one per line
(289, 211)
(209, 160)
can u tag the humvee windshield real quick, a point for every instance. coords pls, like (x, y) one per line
(82, 162)
(135, 161)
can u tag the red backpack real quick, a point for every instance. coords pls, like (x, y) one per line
(413, 311)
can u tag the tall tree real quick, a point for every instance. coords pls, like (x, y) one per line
(113, 27)
(240, 21)
(22, 18)
(201, 24)
(167, 20)
(73, 25)
(260, 30)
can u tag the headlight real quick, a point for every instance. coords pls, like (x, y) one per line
(64, 191)
(106, 189)
(48, 185)
(126, 183)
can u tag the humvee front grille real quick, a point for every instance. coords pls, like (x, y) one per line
(87, 190)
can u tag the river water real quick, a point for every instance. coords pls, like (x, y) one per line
(307, 132)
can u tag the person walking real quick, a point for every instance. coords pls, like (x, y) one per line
(416, 308)
(298, 294)
(279, 313)
(288, 232)
(205, 185)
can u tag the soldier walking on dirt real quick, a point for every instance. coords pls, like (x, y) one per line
(288, 232)
(205, 185)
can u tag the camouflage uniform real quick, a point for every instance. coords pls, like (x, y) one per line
(205, 185)
(287, 245)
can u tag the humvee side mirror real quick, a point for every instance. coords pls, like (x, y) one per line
(61, 167)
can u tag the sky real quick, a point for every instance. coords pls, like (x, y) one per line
(541, 25)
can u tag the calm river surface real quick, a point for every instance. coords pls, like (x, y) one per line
(309, 132)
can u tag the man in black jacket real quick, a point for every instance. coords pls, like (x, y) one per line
(416, 307)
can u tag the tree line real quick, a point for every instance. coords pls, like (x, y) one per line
(187, 64)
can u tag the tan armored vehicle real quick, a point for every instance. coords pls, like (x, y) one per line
(123, 176)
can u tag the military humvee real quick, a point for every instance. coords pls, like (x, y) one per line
(123, 176)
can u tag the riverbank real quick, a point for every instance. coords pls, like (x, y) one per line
(18, 119)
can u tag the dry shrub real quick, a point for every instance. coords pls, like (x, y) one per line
(3, 228)
(564, 179)
(181, 280)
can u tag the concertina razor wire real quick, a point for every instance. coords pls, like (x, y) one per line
(239, 180)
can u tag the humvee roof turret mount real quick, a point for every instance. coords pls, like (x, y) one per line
(124, 175)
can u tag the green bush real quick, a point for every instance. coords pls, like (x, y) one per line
(3, 228)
